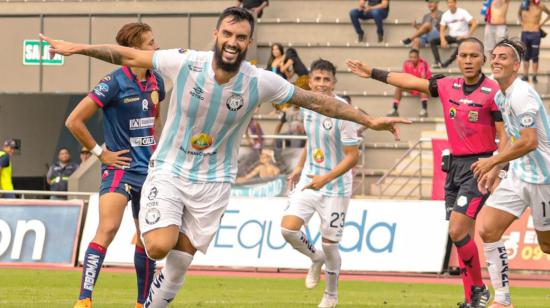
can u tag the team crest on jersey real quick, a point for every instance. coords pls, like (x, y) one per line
(327, 124)
(318, 156)
(526, 120)
(234, 102)
(201, 141)
(152, 216)
(452, 113)
(473, 116)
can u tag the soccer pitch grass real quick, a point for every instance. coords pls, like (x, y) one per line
(59, 288)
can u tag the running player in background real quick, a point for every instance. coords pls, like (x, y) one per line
(527, 183)
(473, 122)
(191, 172)
(324, 187)
(418, 67)
(129, 97)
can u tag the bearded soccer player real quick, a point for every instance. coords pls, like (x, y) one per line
(527, 183)
(190, 174)
(324, 185)
(473, 121)
(129, 98)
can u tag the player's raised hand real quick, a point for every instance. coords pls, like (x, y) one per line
(61, 47)
(359, 68)
(389, 124)
(115, 159)
(317, 182)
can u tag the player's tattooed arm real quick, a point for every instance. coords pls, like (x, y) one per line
(109, 53)
(334, 108)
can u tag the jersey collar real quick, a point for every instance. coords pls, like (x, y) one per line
(151, 82)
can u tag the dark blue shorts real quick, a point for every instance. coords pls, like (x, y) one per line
(532, 42)
(123, 182)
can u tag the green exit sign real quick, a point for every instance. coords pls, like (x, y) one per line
(32, 50)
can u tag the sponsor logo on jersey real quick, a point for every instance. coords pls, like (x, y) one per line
(486, 90)
(145, 105)
(152, 216)
(142, 141)
(101, 89)
(234, 102)
(462, 201)
(452, 113)
(465, 101)
(201, 141)
(456, 85)
(105, 174)
(318, 156)
(197, 92)
(106, 78)
(142, 123)
(128, 100)
(473, 116)
(327, 124)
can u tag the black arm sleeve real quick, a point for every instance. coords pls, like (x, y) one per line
(433, 85)
(497, 116)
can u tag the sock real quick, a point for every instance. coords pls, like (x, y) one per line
(424, 103)
(466, 281)
(395, 104)
(497, 265)
(467, 252)
(169, 280)
(93, 259)
(332, 268)
(145, 270)
(299, 241)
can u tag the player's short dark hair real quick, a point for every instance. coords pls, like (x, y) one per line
(236, 14)
(414, 50)
(475, 40)
(130, 35)
(323, 65)
(63, 148)
(514, 44)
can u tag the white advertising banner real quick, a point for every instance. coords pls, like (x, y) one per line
(379, 235)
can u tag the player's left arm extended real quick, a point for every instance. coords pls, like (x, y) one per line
(526, 143)
(334, 108)
(350, 160)
(109, 53)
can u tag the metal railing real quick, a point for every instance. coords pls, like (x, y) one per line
(417, 174)
(25, 193)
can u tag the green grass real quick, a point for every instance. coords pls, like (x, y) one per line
(50, 288)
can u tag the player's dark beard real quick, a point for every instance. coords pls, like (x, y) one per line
(228, 67)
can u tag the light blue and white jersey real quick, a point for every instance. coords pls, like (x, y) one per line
(522, 107)
(326, 138)
(206, 120)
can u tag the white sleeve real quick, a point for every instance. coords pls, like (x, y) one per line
(525, 107)
(168, 62)
(467, 15)
(348, 133)
(273, 88)
(444, 18)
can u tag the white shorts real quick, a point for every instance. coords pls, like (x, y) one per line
(332, 210)
(196, 208)
(514, 196)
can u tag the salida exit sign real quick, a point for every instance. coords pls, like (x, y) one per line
(32, 50)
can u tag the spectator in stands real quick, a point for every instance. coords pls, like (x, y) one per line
(370, 9)
(530, 15)
(428, 29)
(295, 70)
(461, 26)
(266, 168)
(84, 154)
(8, 148)
(250, 154)
(255, 6)
(276, 59)
(418, 67)
(255, 129)
(495, 22)
(292, 116)
(59, 173)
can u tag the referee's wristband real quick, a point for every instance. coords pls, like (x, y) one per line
(97, 150)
